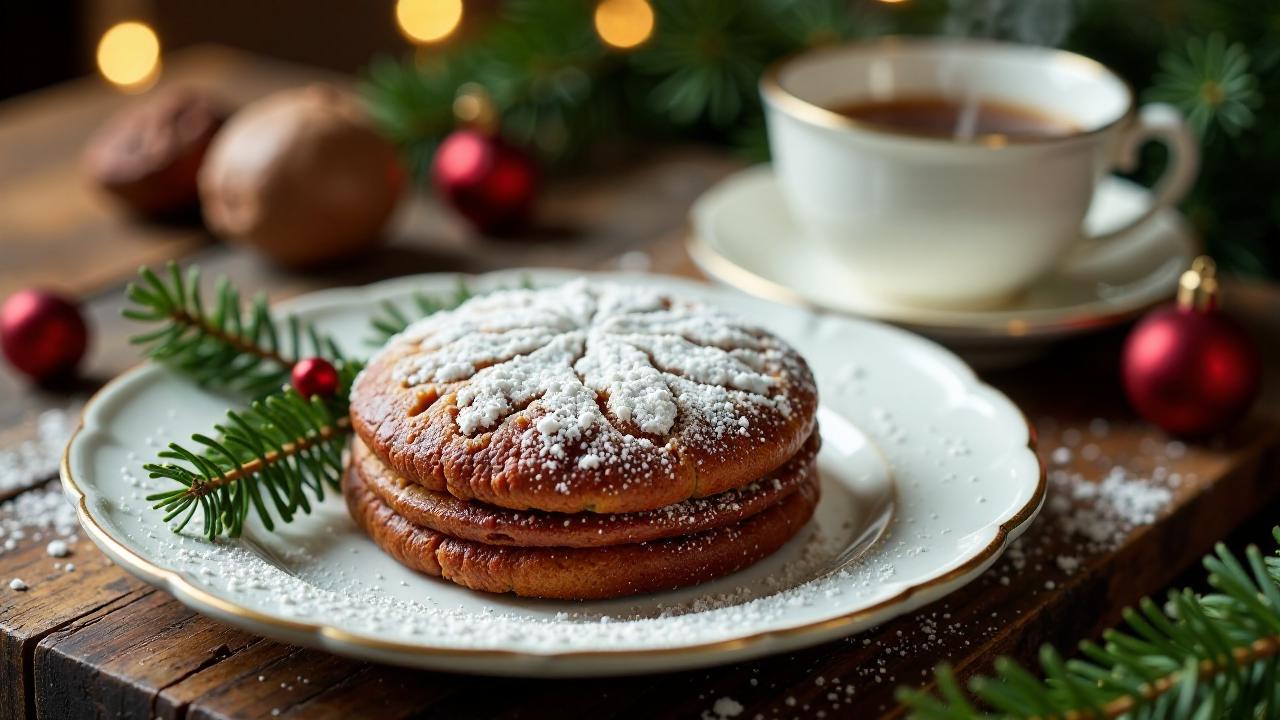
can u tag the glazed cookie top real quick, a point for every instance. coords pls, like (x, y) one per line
(584, 397)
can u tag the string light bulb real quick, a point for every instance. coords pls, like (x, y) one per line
(624, 24)
(129, 55)
(428, 21)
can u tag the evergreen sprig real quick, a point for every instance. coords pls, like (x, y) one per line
(412, 103)
(392, 319)
(282, 453)
(226, 345)
(1200, 656)
(564, 95)
(285, 449)
(1212, 83)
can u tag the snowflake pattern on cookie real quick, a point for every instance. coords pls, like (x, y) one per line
(591, 396)
(646, 357)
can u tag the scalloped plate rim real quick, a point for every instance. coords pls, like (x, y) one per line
(552, 663)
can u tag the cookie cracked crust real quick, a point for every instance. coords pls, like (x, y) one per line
(584, 397)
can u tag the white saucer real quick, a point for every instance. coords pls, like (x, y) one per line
(745, 236)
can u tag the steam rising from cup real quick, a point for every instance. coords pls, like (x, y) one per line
(1033, 22)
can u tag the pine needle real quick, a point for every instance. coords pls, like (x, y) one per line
(283, 453)
(225, 346)
(1201, 656)
(284, 448)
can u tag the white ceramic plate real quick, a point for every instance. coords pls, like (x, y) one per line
(927, 476)
(745, 236)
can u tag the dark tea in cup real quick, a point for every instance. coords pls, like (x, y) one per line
(949, 117)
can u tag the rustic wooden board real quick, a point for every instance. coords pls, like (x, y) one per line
(97, 643)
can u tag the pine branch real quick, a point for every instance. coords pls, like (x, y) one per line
(283, 452)
(1211, 81)
(226, 346)
(411, 102)
(392, 319)
(1201, 656)
(284, 446)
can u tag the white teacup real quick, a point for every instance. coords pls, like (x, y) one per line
(939, 220)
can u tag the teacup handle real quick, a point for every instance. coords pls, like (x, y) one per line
(1163, 123)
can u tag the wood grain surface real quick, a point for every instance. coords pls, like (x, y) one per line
(97, 643)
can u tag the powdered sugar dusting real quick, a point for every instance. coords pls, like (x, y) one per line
(593, 380)
(322, 575)
(36, 458)
(1106, 510)
(646, 358)
(1096, 500)
(316, 590)
(724, 708)
(39, 515)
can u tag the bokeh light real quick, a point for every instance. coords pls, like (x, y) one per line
(624, 23)
(428, 21)
(129, 55)
(474, 108)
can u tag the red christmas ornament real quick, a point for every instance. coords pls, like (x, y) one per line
(1188, 368)
(484, 178)
(42, 334)
(488, 181)
(314, 376)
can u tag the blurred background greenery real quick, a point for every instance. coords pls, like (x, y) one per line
(589, 81)
(567, 93)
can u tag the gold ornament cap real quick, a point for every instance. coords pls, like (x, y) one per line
(473, 107)
(1198, 287)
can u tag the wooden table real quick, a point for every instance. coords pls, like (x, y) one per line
(97, 642)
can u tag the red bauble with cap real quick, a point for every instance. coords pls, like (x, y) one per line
(1188, 367)
(314, 377)
(42, 334)
(486, 179)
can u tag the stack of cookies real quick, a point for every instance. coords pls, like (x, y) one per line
(581, 442)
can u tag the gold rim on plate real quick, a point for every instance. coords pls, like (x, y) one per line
(179, 586)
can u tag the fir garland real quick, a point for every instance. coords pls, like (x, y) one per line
(560, 90)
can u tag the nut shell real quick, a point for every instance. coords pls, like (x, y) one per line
(148, 155)
(302, 176)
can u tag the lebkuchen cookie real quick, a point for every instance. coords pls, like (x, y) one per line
(585, 441)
